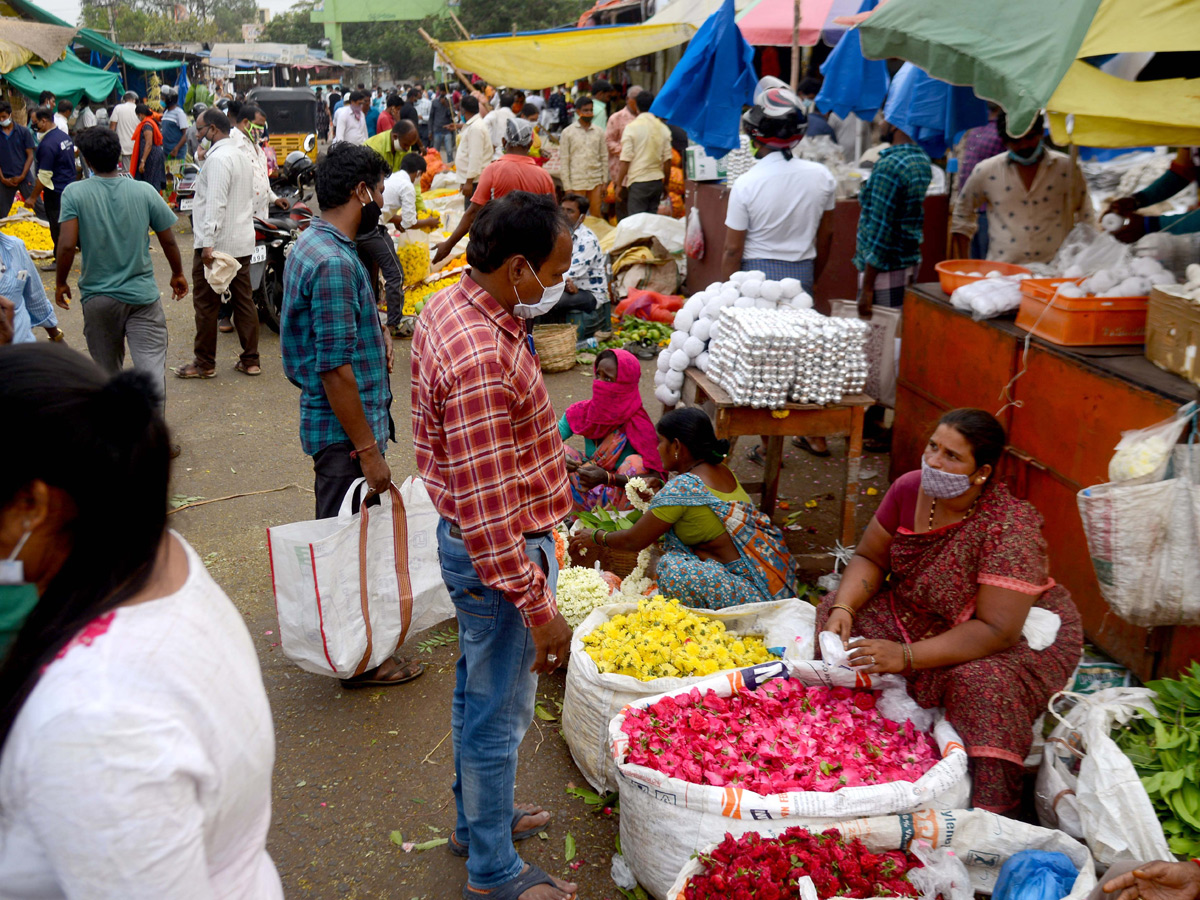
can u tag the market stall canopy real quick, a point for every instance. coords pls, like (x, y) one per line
(542, 59)
(24, 42)
(853, 83)
(93, 40)
(769, 23)
(932, 112)
(68, 79)
(1028, 55)
(690, 12)
(705, 94)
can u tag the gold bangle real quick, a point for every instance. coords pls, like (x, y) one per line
(843, 606)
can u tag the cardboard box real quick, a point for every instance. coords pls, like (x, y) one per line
(699, 166)
(1173, 333)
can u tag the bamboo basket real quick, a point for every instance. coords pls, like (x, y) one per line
(555, 346)
(619, 562)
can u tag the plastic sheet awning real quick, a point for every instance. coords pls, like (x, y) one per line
(770, 23)
(93, 40)
(23, 42)
(543, 59)
(68, 79)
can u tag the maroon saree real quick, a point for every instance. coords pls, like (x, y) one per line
(932, 586)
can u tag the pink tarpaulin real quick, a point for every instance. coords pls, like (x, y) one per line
(769, 22)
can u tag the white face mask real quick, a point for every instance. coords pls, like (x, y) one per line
(4, 123)
(550, 297)
(396, 145)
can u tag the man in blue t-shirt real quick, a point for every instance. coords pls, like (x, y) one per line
(16, 158)
(174, 126)
(56, 169)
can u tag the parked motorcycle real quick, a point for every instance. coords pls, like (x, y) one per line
(185, 188)
(296, 178)
(273, 240)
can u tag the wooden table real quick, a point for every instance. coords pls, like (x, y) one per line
(796, 420)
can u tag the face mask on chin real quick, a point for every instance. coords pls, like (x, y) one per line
(1029, 157)
(548, 300)
(370, 217)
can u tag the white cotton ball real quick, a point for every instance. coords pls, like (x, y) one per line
(673, 380)
(1111, 222)
(680, 360)
(677, 339)
(739, 277)
(693, 347)
(702, 361)
(660, 378)
(1111, 292)
(712, 309)
(752, 287)
(754, 273)
(702, 329)
(1163, 278)
(666, 396)
(694, 304)
(802, 301)
(744, 302)
(1099, 282)
(790, 287)
(1145, 266)
(1070, 290)
(684, 320)
(973, 274)
(1120, 273)
(993, 274)
(1073, 272)
(1129, 287)
(760, 303)
(729, 296)
(664, 359)
(771, 290)
(714, 289)
(716, 331)
(1192, 272)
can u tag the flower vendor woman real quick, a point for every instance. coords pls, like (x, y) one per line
(721, 551)
(939, 590)
(618, 435)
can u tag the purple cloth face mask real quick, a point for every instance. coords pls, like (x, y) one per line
(943, 485)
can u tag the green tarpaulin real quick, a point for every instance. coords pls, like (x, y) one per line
(93, 40)
(69, 78)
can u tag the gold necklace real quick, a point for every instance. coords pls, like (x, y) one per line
(970, 509)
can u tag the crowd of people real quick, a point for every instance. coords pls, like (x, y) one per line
(107, 634)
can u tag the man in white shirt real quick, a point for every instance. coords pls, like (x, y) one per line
(780, 214)
(124, 121)
(475, 147)
(423, 105)
(498, 120)
(350, 122)
(86, 118)
(251, 126)
(62, 117)
(222, 220)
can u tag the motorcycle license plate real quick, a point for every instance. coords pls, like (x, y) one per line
(259, 254)
(187, 203)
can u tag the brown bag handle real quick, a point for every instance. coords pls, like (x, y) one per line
(403, 582)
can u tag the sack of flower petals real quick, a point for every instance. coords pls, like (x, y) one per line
(665, 640)
(770, 868)
(782, 737)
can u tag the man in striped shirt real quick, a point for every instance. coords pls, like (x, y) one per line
(487, 447)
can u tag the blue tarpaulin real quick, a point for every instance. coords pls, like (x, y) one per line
(705, 94)
(853, 83)
(931, 112)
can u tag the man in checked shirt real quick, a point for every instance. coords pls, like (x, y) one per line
(487, 447)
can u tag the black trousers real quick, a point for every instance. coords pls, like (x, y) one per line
(644, 197)
(378, 254)
(334, 471)
(53, 203)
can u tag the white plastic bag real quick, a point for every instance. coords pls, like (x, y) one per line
(988, 297)
(346, 598)
(983, 841)
(943, 875)
(592, 699)
(1143, 541)
(1141, 456)
(665, 821)
(1103, 802)
(693, 242)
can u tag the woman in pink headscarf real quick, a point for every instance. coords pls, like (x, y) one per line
(619, 438)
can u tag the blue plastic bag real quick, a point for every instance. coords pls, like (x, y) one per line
(1035, 875)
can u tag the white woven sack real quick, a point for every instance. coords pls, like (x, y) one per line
(1143, 538)
(1105, 804)
(665, 821)
(982, 840)
(350, 589)
(592, 699)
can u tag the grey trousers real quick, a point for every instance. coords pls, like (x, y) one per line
(108, 323)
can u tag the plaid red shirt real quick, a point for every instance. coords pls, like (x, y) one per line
(486, 439)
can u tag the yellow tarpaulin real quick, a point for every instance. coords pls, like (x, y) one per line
(543, 60)
(1107, 111)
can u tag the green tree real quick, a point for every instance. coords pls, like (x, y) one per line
(295, 27)
(153, 21)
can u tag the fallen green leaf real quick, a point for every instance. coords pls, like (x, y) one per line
(569, 847)
(543, 836)
(396, 838)
(544, 714)
(429, 845)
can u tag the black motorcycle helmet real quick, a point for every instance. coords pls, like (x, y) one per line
(297, 162)
(777, 119)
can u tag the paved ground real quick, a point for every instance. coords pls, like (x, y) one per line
(353, 768)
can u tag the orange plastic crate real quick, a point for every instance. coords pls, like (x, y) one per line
(952, 273)
(1084, 321)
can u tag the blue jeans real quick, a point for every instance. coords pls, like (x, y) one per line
(494, 694)
(444, 143)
